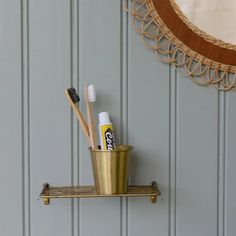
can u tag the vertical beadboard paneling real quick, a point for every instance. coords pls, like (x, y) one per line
(230, 166)
(25, 116)
(183, 135)
(50, 133)
(149, 134)
(172, 151)
(125, 42)
(197, 130)
(221, 163)
(74, 30)
(99, 63)
(11, 119)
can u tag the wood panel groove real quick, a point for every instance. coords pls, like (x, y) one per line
(176, 148)
(225, 190)
(25, 117)
(221, 163)
(73, 169)
(74, 124)
(172, 152)
(124, 27)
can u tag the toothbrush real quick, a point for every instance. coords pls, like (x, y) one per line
(90, 97)
(73, 99)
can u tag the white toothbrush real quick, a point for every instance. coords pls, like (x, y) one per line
(90, 97)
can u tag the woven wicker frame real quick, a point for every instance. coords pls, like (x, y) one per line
(170, 49)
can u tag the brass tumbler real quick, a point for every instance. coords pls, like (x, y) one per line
(111, 169)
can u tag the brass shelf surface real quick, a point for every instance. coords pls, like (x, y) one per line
(49, 192)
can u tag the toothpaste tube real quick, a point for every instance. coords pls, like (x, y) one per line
(106, 132)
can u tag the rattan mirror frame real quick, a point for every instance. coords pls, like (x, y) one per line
(174, 39)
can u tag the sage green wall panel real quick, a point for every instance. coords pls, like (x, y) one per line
(99, 64)
(148, 132)
(11, 152)
(229, 192)
(196, 159)
(50, 115)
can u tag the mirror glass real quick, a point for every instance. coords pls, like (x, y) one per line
(216, 17)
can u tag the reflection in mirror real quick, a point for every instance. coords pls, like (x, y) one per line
(216, 17)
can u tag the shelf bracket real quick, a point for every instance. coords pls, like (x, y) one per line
(154, 186)
(46, 200)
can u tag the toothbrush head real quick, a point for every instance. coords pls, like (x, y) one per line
(73, 95)
(91, 93)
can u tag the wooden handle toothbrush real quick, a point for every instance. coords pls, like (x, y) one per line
(89, 97)
(92, 99)
(73, 98)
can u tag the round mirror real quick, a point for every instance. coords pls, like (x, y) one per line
(197, 37)
(215, 17)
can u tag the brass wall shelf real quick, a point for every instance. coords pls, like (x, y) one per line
(49, 192)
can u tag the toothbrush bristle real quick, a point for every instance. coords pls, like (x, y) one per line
(91, 93)
(73, 95)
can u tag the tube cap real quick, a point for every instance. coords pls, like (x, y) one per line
(104, 118)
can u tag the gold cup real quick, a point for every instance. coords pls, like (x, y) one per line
(111, 169)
